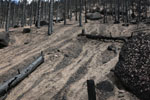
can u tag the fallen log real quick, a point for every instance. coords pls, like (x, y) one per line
(21, 76)
(100, 37)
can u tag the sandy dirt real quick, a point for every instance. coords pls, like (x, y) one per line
(69, 62)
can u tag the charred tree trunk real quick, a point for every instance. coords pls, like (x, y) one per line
(23, 21)
(139, 10)
(50, 26)
(104, 5)
(76, 11)
(57, 12)
(85, 11)
(31, 14)
(65, 5)
(118, 11)
(8, 16)
(39, 14)
(127, 20)
(80, 15)
(14, 16)
(70, 11)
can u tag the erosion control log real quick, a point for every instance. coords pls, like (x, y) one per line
(22, 75)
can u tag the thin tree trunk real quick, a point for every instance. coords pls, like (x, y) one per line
(31, 14)
(8, 16)
(65, 1)
(45, 8)
(23, 21)
(118, 11)
(70, 11)
(104, 4)
(14, 16)
(76, 11)
(127, 12)
(85, 11)
(18, 14)
(57, 13)
(50, 27)
(80, 15)
(39, 14)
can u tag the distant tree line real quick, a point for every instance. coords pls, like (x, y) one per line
(23, 13)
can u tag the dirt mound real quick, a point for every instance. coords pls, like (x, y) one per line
(134, 66)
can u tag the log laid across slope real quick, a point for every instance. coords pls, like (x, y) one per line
(121, 38)
(18, 78)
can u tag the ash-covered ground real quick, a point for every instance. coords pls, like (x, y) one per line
(69, 62)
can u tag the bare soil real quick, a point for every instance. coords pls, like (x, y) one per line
(69, 62)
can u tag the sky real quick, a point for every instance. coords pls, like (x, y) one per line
(18, 0)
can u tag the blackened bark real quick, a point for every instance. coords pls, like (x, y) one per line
(50, 27)
(65, 5)
(76, 11)
(80, 15)
(85, 11)
(8, 16)
(39, 14)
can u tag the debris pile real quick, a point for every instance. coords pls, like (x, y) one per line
(133, 67)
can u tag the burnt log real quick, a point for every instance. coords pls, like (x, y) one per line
(100, 37)
(4, 88)
(4, 39)
(125, 24)
(26, 30)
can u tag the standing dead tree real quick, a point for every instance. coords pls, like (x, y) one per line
(39, 14)
(85, 4)
(50, 26)
(80, 15)
(23, 21)
(8, 16)
(76, 10)
(65, 5)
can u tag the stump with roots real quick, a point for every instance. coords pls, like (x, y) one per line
(133, 67)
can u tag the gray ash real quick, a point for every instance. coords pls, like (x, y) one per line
(133, 67)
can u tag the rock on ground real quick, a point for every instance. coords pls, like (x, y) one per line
(4, 39)
(94, 16)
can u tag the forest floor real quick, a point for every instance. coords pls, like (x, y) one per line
(69, 61)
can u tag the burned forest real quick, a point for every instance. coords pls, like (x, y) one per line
(74, 49)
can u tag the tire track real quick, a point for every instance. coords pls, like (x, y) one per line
(82, 70)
